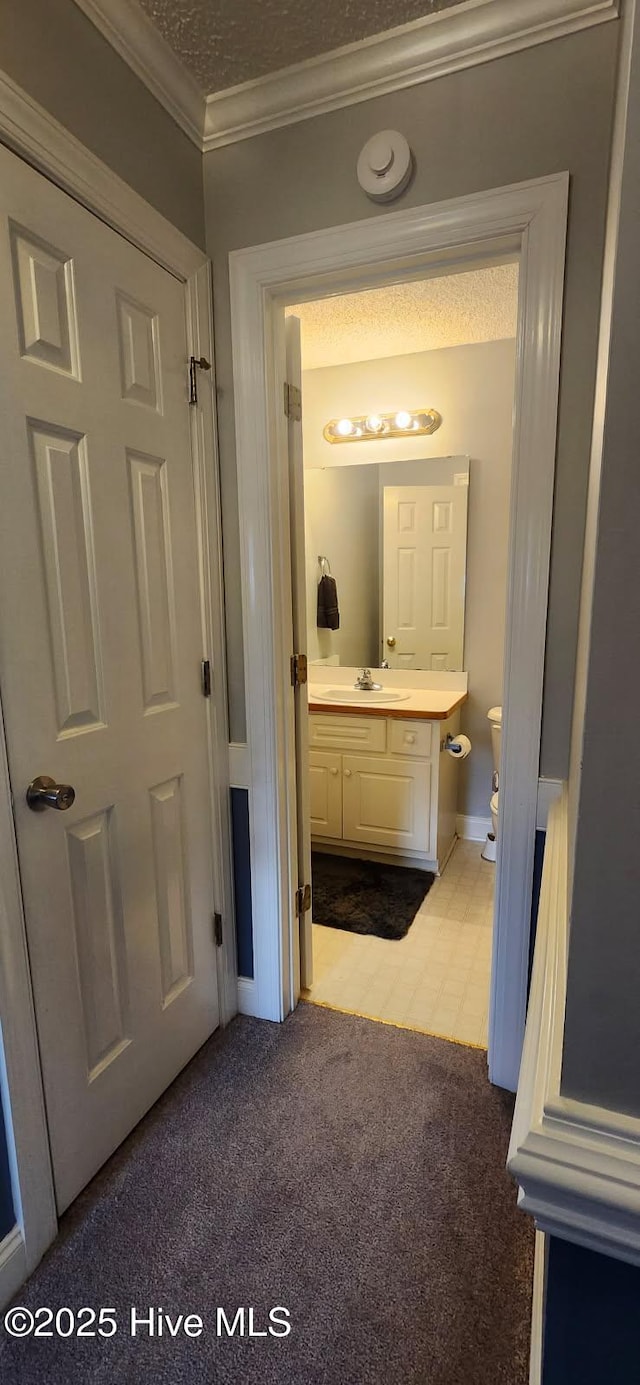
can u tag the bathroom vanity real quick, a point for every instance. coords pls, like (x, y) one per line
(381, 782)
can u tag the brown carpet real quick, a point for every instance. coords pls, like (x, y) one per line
(347, 1170)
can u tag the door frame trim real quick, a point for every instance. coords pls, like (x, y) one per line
(31, 133)
(528, 219)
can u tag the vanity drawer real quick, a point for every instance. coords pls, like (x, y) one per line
(347, 732)
(410, 738)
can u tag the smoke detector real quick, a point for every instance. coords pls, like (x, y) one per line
(385, 166)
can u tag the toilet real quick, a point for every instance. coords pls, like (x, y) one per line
(495, 718)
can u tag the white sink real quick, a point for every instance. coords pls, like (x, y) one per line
(357, 695)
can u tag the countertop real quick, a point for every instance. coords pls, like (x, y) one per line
(428, 704)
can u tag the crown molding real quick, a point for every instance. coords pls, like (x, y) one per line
(137, 40)
(577, 1165)
(474, 32)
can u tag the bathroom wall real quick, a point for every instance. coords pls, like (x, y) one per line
(54, 52)
(341, 508)
(472, 386)
(541, 111)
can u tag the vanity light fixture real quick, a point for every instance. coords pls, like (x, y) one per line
(401, 423)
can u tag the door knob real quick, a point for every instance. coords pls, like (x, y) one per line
(391, 641)
(45, 793)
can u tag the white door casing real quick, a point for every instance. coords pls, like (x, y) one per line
(101, 642)
(299, 603)
(528, 219)
(424, 558)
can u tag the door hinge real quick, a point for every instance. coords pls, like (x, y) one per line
(206, 677)
(292, 403)
(196, 363)
(303, 900)
(217, 929)
(298, 670)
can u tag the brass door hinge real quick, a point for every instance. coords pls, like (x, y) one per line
(303, 900)
(292, 403)
(298, 670)
(217, 929)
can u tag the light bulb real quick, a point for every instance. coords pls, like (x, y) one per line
(403, 419)
(374, 423)
(344, 427)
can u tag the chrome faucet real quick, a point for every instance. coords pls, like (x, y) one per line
(365, 682)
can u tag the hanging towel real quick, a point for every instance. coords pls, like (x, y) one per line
(328, 613)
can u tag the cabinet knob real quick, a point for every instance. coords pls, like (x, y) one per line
(347, 774)
(333, 769)
(410, 738)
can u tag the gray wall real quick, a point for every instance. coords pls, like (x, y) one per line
(342, 521)
(533, 113)
(602, 1030)
(54, 52)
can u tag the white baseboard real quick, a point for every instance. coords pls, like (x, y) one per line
(239, 766)
(548, 791)
(13, 1265)
(472, 829)
(537, 1309)
(247, 996)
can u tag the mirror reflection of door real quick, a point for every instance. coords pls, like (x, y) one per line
(423, 565)
(395, 536)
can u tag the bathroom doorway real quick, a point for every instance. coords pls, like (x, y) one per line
(407, 441)
(527, 220)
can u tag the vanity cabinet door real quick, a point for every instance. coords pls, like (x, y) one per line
(385, 802)
(325, 793)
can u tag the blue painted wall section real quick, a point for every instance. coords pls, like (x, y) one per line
(242, 880)
(7, 1214)
(592, 1318)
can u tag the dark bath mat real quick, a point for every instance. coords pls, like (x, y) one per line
(365, 896)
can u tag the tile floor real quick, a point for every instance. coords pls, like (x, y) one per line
(435, 979)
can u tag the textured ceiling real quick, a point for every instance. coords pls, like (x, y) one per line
(453, 310)
(225, 42)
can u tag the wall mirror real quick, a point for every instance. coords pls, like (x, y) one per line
(394, 537)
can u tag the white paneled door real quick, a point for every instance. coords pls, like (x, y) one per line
(425, 538)
(100, 666)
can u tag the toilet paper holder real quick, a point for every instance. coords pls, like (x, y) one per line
(448, 740)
